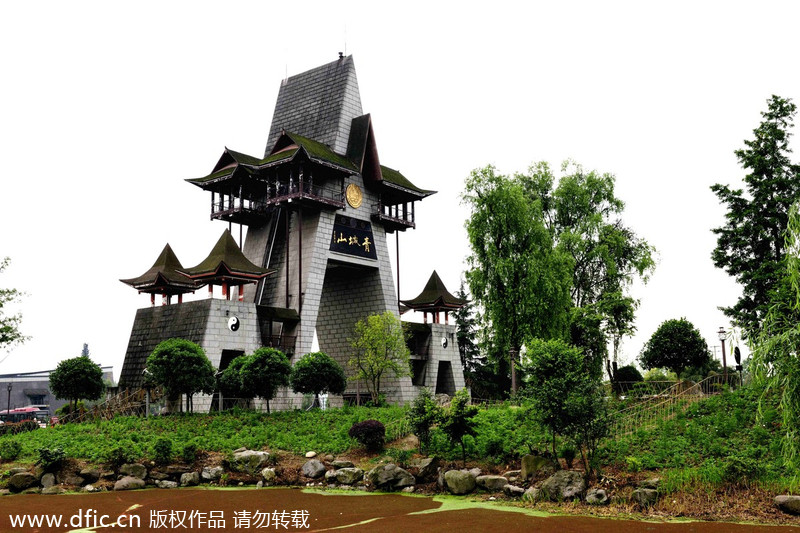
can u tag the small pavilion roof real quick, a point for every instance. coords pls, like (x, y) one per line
(164, 277)
(434, 297)
(226, 262)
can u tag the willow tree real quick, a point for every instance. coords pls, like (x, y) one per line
(516, 275)
(774, 361)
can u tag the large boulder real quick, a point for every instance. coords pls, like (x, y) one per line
(564, 485)
(491, 483)
(342, 463)
(513, 491)
(249, 461)
(314, 469)
(533, 464)
(90, 474)
(190, 479)
(597, 497)
(427, 468)
(21, 481)
(788, 504)
(644, 497)
(459, 481)
(48, 480)
(133, 470)
(166, 484)
(212, 473)
(269, 475)
(129, 483)
(390, 477)
(349, 476)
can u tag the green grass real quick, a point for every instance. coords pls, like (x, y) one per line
(293, 431)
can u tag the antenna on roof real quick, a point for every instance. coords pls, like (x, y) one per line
(345, 39)
(341, 55)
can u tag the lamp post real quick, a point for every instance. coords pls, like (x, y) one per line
(722, 336)
(8, 404)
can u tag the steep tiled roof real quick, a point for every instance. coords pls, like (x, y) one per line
(164, 276)
(226, 260)
(434, 296)
(318, 104)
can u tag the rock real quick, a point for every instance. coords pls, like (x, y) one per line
(427, 468)
(158, 476)
(788, 504)
(212, 473)
(408, 489)
(651, 483)
(90, 488)
(89, 474)
(459, 481)
(390, 477)
(513, 491)
(53, 490)
(107, 474)
(190, 479)
(313, 469)
(533, 494)
(330, 477)
(340, 463)
(48, 480)
(597, 497)
(328, 458)
(129, 483)
(166, 484)
(269, 476)
(644, 497)
(32, 490)
(177, 470)
(512, 474)
(72, 479)
(534, 464)
(349, 476)
(238, 450)
(474, 472)
(21, 481)
(249, 461)
(311, 455)
(133, 470)
(17, 470)
(564, 485)
(440, 478)
(491, 483)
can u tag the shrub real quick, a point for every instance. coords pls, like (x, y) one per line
(568, 453)
(51, 458)
(10, 450)
(369, 433)
(189, 453)
(120, 454)
(162, 451)
(740, 470)
(424, 413)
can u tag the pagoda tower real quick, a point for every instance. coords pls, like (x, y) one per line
(317, 207)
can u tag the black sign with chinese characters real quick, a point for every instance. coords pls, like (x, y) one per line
(353, 237)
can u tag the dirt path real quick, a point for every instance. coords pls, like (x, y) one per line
(257, 510)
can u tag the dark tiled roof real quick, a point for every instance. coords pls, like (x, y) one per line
(434, 296)
(318, 104)
(164, 276)
(395, 178)
(321, 152)
(226, 260)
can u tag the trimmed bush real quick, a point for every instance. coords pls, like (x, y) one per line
(10, 450)
(369, 433)
(162, 451)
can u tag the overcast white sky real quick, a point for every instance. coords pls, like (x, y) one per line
(106, 107)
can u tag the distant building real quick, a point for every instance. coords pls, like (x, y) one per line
(33, 388)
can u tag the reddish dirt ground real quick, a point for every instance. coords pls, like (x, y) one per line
(357, 513)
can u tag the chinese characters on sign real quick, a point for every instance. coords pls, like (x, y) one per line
(244, 519)
(353, 237)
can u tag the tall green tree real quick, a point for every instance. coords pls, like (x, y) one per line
(231, 383)
(181, 367)
(675, 345)
(516, 275)
(10, 334)
(458, 420)
(265, 372)
(316, 373)
(750, 246)
(379, 350)
(584, 216)
(77, 379)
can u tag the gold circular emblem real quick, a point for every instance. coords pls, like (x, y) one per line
(353, 195)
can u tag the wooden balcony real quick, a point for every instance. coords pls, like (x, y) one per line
(396, 217)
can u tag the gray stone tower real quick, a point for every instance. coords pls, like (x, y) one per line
(318, 207)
